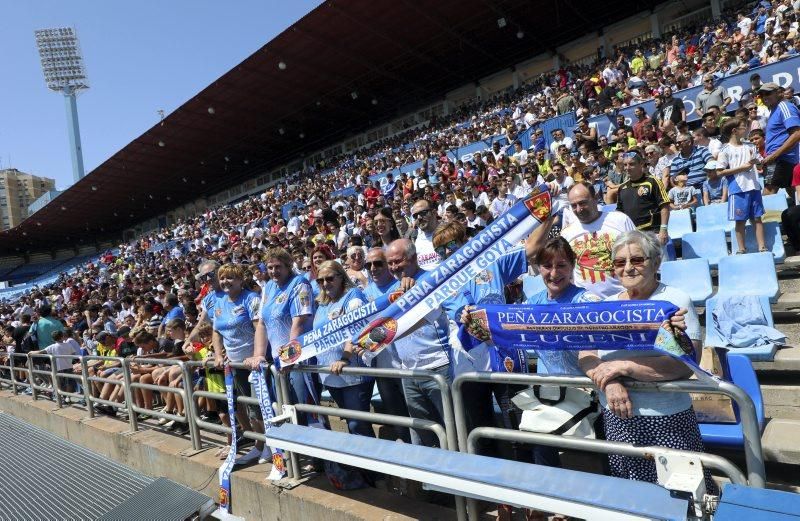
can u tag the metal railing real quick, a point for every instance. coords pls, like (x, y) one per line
(453, 435)
(754, 456)
(447, 439)
(185, 393)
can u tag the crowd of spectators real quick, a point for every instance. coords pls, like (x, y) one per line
(237, 282)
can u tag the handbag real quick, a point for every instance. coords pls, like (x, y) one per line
(551, 409)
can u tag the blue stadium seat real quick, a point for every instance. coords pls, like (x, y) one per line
(711, 245)
(765, 353)
(691, 275)
(776, 202)
(532, 285)
(713, 217)
(482, 476)
(756, 504)
(730, 434)
(749, 274)
(772, 237)
(680, 223)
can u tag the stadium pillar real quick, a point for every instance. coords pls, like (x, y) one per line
(655, 25)
(446, 108)
(515, 79)
(478, 91)
(556, 62)
(602, 43)
(716, 9)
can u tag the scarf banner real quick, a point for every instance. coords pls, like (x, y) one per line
(264, 398)
(437, 285)
(380, 317)
(636, 325)
(227, 466)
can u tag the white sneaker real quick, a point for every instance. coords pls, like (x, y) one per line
(162, 421)
(170, 424)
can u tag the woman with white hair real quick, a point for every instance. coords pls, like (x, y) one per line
(644, 418)
(355, 267)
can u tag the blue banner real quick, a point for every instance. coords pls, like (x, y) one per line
(785, 73)
(437, 285)
(614, 325)
(430, 290)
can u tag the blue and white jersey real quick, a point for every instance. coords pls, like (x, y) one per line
(427, 346)
(560, 362)
(486, 288)
(313, 284)
(209, 301)
(172, 314)
(233, 320)
(280, 304)
(386, 359)
(352, 299)
(783, 117)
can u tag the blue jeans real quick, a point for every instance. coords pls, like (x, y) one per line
(358, 398)
(424, 401)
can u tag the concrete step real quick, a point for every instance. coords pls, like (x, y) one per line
(787, 359)
(779, 441)
(781, 401)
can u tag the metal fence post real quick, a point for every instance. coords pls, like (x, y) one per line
(753, 451)
(126, 377)
(283, 386)
(54, 373)
(13, 374)
(188, 406)
(32, 378)
(87, 388)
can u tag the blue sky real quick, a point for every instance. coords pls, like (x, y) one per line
(140, 56)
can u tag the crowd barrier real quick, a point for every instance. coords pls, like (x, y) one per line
(453, 435)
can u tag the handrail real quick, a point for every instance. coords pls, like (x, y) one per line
(754, 457)
(417, 374)
(711, 461)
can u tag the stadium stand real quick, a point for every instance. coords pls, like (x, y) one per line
(466, 156)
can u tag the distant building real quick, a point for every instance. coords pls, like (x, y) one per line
(17, 191)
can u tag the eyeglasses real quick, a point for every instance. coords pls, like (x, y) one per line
(327, 280)
(421, 213)
(443, 249)
(376, 264)
(636, 262)
(631, 155)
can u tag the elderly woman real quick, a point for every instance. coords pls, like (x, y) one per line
(356, 272)
(644, 418)
(338, 296)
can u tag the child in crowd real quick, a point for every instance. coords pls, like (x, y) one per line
(715, 188)
(737, 162)
(680, 195)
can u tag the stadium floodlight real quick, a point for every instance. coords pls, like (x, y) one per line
(64, 72)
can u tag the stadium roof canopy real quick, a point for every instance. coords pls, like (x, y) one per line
(402, 53)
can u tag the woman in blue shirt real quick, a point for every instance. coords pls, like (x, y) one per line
(234, 318)
(338, 296)
(556, 262)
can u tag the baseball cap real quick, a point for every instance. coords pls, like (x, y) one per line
(769, 87)
(711, 165)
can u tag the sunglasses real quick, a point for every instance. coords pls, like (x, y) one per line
(636, 262)
(327, 280)
(443, 249)
(421, 213)
(377, 264)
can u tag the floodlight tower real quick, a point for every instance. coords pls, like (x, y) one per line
(64, 72)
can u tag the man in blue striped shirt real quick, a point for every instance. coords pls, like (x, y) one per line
(782, 139)
(692, 159)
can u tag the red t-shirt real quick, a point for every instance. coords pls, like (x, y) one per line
(796, 175)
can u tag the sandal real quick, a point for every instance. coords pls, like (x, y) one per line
(223, 452)
(741, 252)
(763, 250)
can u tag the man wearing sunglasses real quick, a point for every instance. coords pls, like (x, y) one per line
(205, 276)
(390, 389)
(425, 222)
